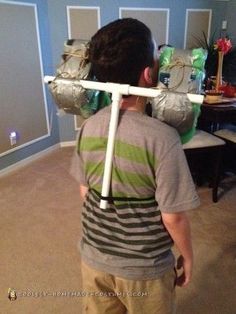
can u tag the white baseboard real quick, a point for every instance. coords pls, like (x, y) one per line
(68, 144)
(28, 160)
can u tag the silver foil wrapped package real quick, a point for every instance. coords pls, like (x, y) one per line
(180, 72)
(66, 90)
(175, 109)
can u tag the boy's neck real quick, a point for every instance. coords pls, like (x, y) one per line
(134, 103)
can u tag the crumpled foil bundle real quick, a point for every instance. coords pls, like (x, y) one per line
(180, 72)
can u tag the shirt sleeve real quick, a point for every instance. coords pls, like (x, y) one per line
(175, 190)
(77, 168)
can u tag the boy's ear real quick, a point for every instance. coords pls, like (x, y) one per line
(148, 76)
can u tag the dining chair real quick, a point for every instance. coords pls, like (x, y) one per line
(229, 157)
(204, 155)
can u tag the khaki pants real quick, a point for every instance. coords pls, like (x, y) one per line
(108, 294)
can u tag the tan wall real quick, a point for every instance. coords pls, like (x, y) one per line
(197, 23)
(156, 20)
(79, 28)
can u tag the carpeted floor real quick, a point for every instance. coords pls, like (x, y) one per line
(40, 225)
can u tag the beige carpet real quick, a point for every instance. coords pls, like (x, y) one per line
(40, 225)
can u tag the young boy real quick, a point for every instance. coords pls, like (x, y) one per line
(127, 263)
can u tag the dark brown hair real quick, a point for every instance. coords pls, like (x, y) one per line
(120, 51)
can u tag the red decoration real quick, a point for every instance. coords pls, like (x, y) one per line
(223, 45)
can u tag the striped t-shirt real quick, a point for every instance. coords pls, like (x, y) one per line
(149, 175)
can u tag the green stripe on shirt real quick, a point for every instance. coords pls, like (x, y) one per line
(121, 149)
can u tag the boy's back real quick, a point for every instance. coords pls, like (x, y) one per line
(128, 238)
(127, 246)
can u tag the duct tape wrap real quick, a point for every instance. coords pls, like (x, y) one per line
(66, 90)
(181, 72)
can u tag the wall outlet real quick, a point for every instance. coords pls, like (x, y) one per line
(224, 25)
(12, 138)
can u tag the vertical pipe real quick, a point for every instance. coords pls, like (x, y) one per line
(116, 98)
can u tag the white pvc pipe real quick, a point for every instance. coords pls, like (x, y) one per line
(116, 98)
(117, 90)
(124, 89)
(196, 98)
(132, 90)
(48, 79)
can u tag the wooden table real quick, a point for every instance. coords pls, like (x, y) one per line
(213, 115)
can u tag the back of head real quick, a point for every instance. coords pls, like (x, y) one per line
(120, 51)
